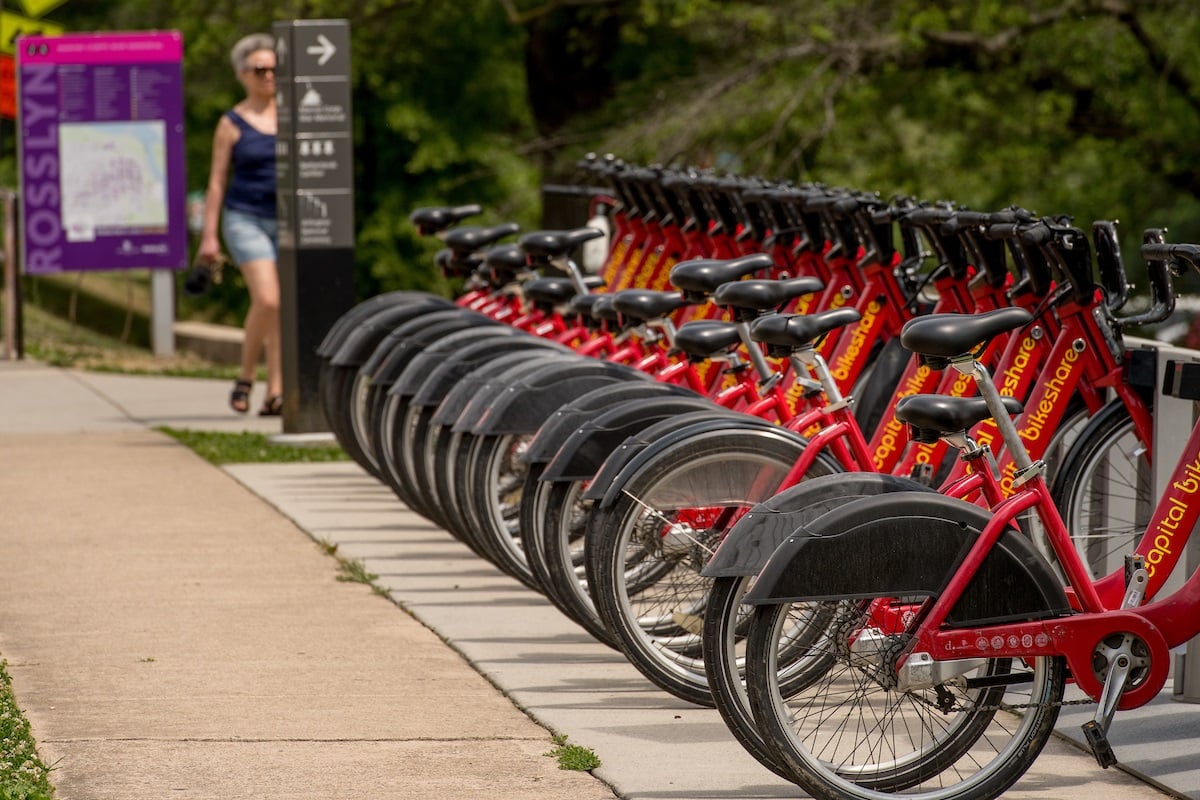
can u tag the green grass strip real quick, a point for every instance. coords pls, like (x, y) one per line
(251, 448)
(23, 774)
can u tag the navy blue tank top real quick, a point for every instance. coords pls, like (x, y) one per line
(251, 188)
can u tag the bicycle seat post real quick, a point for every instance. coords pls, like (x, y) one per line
(1027, 469)
(808, 359)
(765, 373)
(957, 341)
(795, 336)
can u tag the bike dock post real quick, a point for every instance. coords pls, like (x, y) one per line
(1171, 416)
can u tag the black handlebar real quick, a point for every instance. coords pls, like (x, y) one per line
(1161, 260)
(1173, 254)
(1110, 264)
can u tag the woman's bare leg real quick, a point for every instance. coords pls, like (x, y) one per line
(262, 324)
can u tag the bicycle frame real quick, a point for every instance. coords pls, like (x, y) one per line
(1168, 622)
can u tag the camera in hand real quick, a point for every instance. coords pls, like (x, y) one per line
(201, 277)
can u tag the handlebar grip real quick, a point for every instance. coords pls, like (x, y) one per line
(969, 218)
(822, 201)
(1001, 230)
(928, 216)
(1034, 235)
(1159, 251)
(846, 205)
(1012, 214)
(1110, 264)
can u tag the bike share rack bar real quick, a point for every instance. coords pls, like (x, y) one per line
(1174, 415)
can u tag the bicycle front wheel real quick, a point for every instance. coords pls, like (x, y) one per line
(1103, 490)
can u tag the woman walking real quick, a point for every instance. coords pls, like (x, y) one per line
(240, 202)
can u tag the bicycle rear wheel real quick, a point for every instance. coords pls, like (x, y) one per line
(848, 733)
(493, 479)
(727, 620)
(644, 554)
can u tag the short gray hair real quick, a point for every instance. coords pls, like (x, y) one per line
(247, 45)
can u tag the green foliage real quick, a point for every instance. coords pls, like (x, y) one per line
(1087, 107)
(23, 774)
(572, 756)
(245, 447)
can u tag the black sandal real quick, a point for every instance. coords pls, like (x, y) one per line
(239, 398)
(272, 407)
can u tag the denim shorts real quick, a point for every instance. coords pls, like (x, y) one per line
(249, 237)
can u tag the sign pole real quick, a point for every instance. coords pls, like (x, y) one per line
(314, 151)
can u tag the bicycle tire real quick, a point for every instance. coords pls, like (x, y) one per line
(1103, 490)
(726, 618)
(873, 391)
(387, 361)
(360, 342)
(645, 579)
(390, 408)
(529, 527)
(564, 527)
(450, 448)
(412, 442)
(399, 450)
(495, 478)
(342, 382)
(843, 734)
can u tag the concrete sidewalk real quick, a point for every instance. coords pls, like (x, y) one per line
(171, 635)
(172, 630)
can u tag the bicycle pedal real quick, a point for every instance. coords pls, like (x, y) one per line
(1098, 741)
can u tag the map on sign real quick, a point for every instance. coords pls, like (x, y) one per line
(114, 178)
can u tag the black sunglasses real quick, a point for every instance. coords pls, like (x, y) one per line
(262, 71)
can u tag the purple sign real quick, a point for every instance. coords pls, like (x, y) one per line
(101, 151)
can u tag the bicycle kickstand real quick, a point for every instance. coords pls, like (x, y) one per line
(1120, 664)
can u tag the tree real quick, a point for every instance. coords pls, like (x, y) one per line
(1086, 107)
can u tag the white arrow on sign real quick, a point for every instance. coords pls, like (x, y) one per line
(323, 48)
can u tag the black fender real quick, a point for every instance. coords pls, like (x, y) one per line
(394, 350)
(392, 367)
(590, 443)
(529, 401)
(471, 396)
(714, 475)
(401, 346)
(629, 449)
(909, 544)
(364, 337)
(463, 351)
(631, 465)
(342, 326)
(585, 408)
(749, 544)
(478, 365)
(414, 336)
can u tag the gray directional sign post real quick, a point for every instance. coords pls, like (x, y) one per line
(315, 174)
